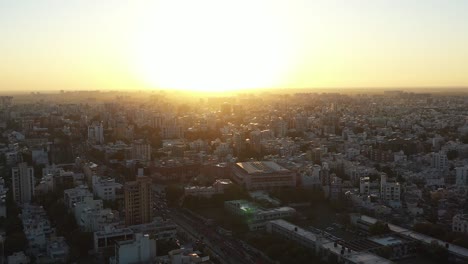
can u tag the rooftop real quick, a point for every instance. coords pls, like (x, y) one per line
(254, 167)
(387, 241)
(453, 249)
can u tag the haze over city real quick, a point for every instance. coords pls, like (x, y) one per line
(234, 132)
(223, 46)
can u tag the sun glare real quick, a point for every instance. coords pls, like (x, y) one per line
(213, 46)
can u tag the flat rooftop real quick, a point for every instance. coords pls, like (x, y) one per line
(453, 249)
(387, 241)
(254, 167)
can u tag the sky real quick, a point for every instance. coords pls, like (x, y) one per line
(216, 45)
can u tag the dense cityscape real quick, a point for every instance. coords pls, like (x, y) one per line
(375, 176)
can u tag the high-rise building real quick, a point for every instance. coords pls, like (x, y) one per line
(138, 201)
(23, 183)
(462, 176)
(96, 133)
(439, 161)
(389, 188)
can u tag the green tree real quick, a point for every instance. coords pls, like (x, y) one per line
(379, 228)
(452, 154)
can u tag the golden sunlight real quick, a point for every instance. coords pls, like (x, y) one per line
(211, 46)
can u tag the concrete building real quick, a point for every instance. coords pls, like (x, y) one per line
(461, 176)
(91, 216)
(23, 183)
(3, 195)
(36, 227)
(142, 249)
(186, 256)
(218, 187)
(460, 223)
(58, 250)
(158, 228)
(364, 185)
(255, 216)
(439, 161)
(138, 201)
(107, 189)
(96, 133)
(322, 246)
(107, 238)
(141, 151)
(75, 195)
(458, 253)
(18, 258)
(389, 189)
(262, 175)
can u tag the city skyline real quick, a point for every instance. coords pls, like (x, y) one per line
(225, 46)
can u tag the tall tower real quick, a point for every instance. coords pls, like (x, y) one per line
(23, 183)
(138, 201)
(96, 133)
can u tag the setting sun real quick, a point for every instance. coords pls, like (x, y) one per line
(193, 48)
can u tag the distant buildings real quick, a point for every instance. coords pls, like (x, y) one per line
(141, 249)
(254, 216)
(439, 161)
(322, 246)
(216, 188)
(96, 133)
(23, 183)
(461, 176)
(107, 189)
(138, 201)
(75, 195)
(460, 223)
(389, 189)
(262, 175)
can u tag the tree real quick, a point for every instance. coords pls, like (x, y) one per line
(173, 194)
(385, 252)
(379, 228)
(437, 252)
(452, 154)
(15, 242)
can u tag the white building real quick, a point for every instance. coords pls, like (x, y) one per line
(262, 175)
(141, 151)
(91, 216)
(23, 183)
(186, 256)
(159, 228)
(218, 187)
(364, 185)
(460, 223)
(45, 185)
(462, 176)
(142, 249)
(439, 161)
(3, 194)
(36, 227)
(322, 246)
(389, 189)
(58, 250)
(75, 195)
(106, 238)
(254, 216)
(96, 133)
(106, 189)
(18, 258)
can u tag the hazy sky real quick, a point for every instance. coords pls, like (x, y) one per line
(208, 44)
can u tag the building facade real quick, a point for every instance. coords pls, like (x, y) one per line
(23, 183)
(138, 201)
(262, 175)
